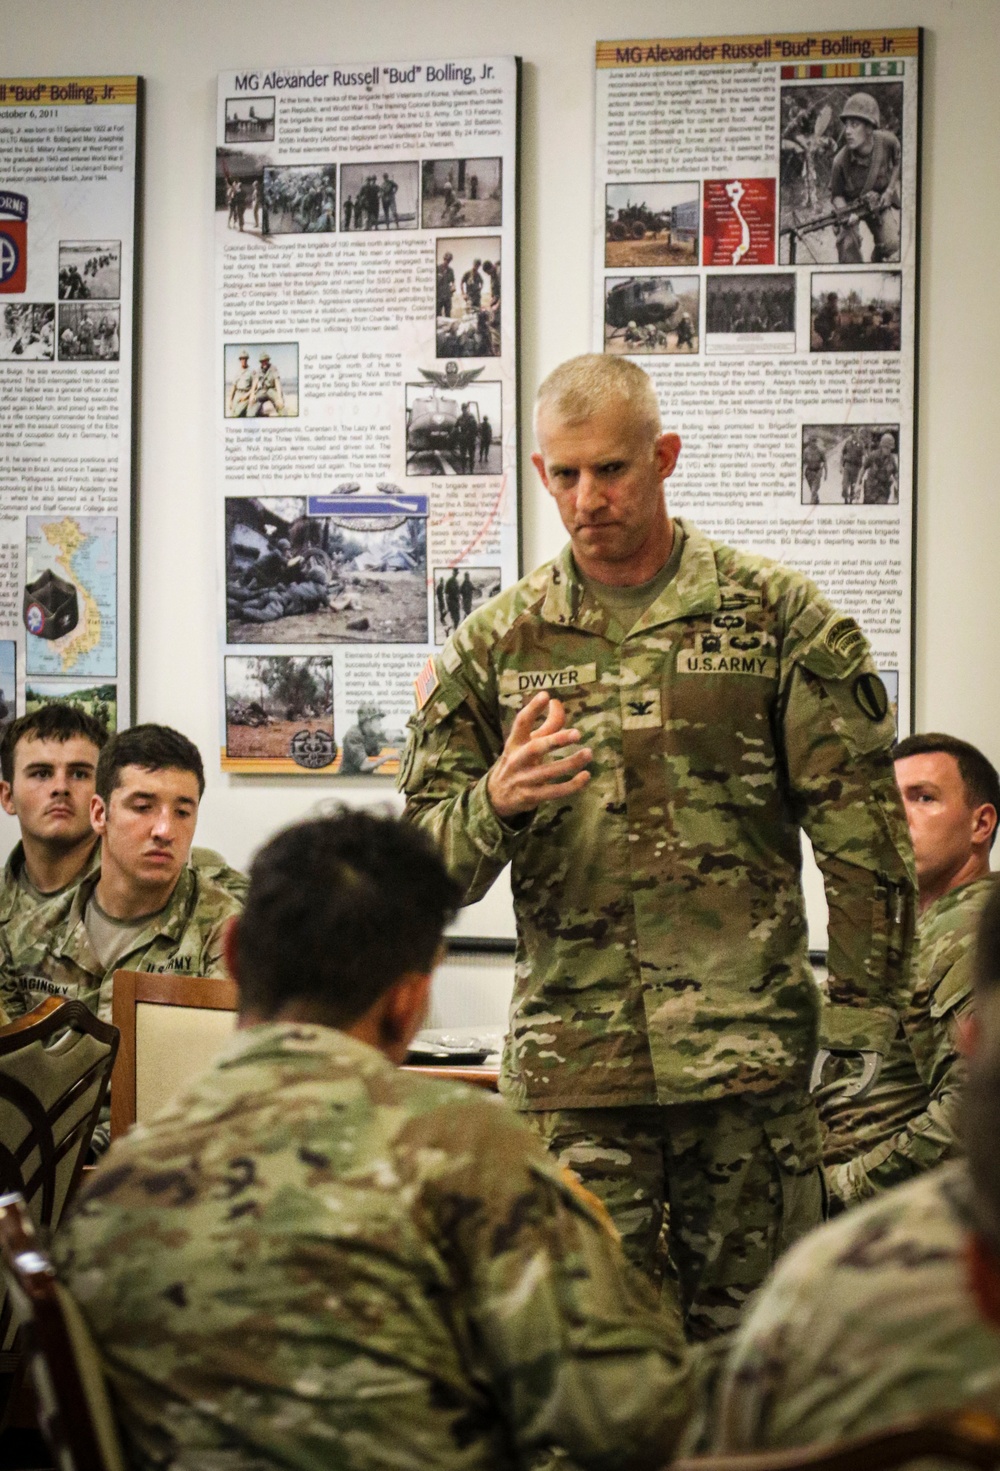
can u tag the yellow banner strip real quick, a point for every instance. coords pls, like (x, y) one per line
(739, 50)
(68, 91)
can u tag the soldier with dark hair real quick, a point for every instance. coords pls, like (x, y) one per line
(365, 1265)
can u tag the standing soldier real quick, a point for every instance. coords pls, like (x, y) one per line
(814, 467)
(852, 458)
(445, 285)
(453, 595)
(468, 592)
(485, 439)
(268, 398)
(240, 394)
(388, 192)
(881, 473)
(472, 286)
(442, 605)
(348, 211)
(641, 728)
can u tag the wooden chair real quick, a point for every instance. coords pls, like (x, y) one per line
(73, 1405)
(55, 1066)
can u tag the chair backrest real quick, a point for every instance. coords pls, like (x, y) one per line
(74, 1410)
(172, 1028)
(55, 1066)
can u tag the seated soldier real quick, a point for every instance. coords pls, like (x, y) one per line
(144, 908)
(48, 761)
(366, 1268)
(908, 1122)
(872, 1317)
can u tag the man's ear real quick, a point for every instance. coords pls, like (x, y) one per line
(7, 799)
(668, 448)
(98, 814)
(539, 464)
(404, 1008)
(982, 1274)
(984, 821)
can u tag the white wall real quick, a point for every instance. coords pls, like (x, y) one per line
(180, 46)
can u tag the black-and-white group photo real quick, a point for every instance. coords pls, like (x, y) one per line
(298, 199)
(89, 333)
(651, 224)
(458, 591)
(462, 193)
(856, 311)
(468, 296)
(261, 380)
(453, 428)
(293, 577)
(651, 314)
(90, 270)
(850, 464)
(239, 190)
(841, 172)
(379, 196)
(250, 119)
(28, 331)
(740, 307)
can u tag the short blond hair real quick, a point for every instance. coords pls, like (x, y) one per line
(583, 386)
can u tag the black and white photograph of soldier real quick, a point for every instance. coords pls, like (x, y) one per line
(461, 193)
(850, 465)
(367, 746)
(750, 313)
(275, 700)
(379, 196)
(856, 311)
(468, 296)
(292, 577)
(239, 193)
(651, 224)
(453, 427)
(651, 314)
(250, 119)
(299, 199)
(841, 172)
(89, 331)
(458, 591)
(28, 332)
(261, 380)
(90, 270)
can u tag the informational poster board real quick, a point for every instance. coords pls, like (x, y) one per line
(70, 150)
(366, 249)
(756, 252)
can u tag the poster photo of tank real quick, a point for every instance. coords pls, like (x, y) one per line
(98, 700)
(250, 119)
(841, 179)
(261, 380)
(239, 193)
(89, 332)
(468, 296)
(850, 465)
(28, 332)
(344, 568)
(299, 199)
(651, 314)
(453, 427)
(857, 311)
(750, 313)
(379, 196)
(459, 591)
(651, 224)
(90, 270)
(461, 193)
(280, 707)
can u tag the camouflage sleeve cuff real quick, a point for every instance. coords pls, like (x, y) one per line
(494, 835)
(857, 1029)
(848, 1184)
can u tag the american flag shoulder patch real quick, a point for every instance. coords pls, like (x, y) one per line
(426, 683)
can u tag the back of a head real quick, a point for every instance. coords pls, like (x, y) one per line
(338, 909)
(979, 775)
(587, 385)
(59, 721)
(151, 747)
(981, 1101)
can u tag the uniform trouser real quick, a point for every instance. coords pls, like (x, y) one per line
(735, 1181)
(885, 232)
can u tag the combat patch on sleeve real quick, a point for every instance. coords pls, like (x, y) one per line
(843, 639)
(871, 697)
(835, 649)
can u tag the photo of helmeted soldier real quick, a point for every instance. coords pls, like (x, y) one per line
(856, 311)
(458, 592)
(384, 196)
(300, 199)
(651, 224)
(651, 314)
(28, 332)
(461, 193)
(261, 380)
(240, 200)
(469, 318)
(849, 465)
(89, 331)
(275, 700)
(365, 747)
(453, 424)
(841, 172)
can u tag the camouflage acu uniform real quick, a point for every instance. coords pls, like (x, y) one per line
(47, 952)
(662, 954)
(909, 1122)
(312, 1259)
(865, 1322)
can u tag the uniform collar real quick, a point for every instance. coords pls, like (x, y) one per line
(169, 924)
(11, 875)
(694, 590)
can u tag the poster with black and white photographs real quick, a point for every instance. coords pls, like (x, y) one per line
(68, 189)
(756, 252)
(365, 231)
